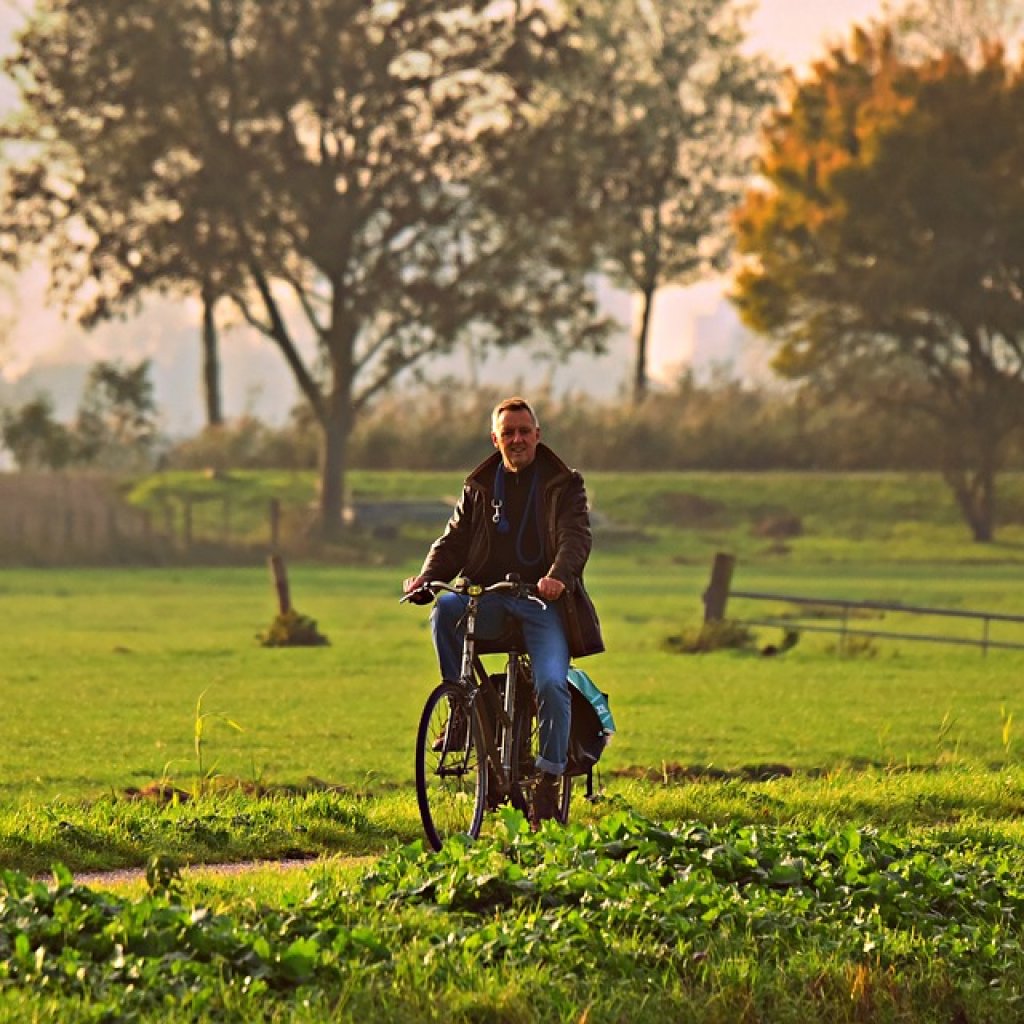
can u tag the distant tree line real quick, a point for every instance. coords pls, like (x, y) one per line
(115, 427)
(718, 425)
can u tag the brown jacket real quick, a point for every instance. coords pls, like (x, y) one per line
(464, 546)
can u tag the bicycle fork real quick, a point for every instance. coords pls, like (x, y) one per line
(509, 707)
(499, 754)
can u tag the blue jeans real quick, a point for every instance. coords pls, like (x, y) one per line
(549, 655)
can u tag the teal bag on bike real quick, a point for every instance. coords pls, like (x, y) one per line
(591, 727)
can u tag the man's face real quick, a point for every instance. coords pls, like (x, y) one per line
(516, 438)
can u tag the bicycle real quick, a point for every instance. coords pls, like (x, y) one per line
(477, 740)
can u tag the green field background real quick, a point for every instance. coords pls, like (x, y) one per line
(102, 670)
(880, 881)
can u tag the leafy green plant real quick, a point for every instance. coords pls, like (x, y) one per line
(835, 921)
(163, 875)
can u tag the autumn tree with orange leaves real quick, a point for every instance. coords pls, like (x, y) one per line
(883, 248)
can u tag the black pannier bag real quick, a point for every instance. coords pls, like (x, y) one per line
(592, 725)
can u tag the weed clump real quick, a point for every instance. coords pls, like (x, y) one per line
(726, 634)
(292, 629)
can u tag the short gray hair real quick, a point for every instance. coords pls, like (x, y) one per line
(513, 404)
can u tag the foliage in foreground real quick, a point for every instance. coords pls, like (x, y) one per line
(624, 919)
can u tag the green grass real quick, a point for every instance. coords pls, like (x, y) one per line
(103, 670)
(918, 746)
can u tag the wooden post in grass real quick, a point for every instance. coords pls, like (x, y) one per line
(274, 511)
(280, 576)
(716, 597)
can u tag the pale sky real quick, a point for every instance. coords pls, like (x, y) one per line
(795, 31)
(792, 32)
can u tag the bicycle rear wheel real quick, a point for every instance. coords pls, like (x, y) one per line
(450, 778)
(526, 745)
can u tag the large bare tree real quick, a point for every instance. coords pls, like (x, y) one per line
(367, 182)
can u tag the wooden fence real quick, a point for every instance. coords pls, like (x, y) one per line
(719, 592)
(53, 519)
(68, 519)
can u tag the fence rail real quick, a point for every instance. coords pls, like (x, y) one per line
(719, 592)
(69, 519)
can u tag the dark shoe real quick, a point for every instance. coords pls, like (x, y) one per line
(494, 796)
(545, 799)
(453, 735)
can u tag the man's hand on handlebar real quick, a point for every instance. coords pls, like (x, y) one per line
(549, 588)
(413, 584)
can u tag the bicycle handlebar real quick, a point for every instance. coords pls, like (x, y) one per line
(463, 586)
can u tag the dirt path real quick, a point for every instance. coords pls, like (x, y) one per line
(120, 876)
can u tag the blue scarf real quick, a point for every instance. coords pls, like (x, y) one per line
(529, 512)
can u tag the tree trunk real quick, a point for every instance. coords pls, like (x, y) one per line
(975, 497)
(642, 337)
(211, 361)
(333, 469)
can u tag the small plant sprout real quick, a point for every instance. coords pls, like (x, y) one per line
(945, 728)
(202, 720)
(1006, 733)
(884, 734)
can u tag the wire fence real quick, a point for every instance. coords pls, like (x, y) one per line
(811, 611)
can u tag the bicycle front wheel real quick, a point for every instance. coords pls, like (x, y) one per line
(450, 777)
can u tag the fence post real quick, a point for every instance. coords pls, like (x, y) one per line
(280, 576)
(275, 523)
(225, 518)
(717, 594)
(170, 523)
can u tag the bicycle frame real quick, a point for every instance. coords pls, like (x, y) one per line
(475, 678)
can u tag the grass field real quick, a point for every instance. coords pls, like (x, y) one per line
(104, 670)
(805, 762)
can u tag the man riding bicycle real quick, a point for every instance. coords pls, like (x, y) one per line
(523, 512)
